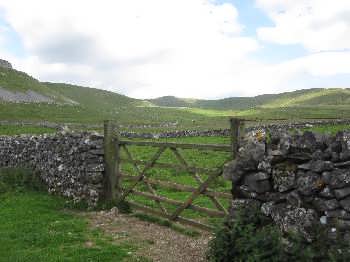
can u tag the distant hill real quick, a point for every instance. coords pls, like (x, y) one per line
(23, 97)
(305, 97)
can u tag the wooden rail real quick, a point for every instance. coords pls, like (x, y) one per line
(118, 190)
(225, 148)
(190, 169)
(179, 187)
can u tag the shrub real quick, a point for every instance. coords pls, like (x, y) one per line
(249, 238)
(253, 238)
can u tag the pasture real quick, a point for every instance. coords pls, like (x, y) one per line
(35, 226)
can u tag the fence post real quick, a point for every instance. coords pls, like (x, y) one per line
(237, 132)
(111, 183)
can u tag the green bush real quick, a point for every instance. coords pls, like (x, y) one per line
(253, 238)
(249, 238)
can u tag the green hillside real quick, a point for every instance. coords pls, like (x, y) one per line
(16, 81)
(305, 97)
(91, 106)
(93, 98)
(76, 104)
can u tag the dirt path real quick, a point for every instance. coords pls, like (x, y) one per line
(158, 243)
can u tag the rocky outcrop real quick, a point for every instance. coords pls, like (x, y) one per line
(24, 97)
(70, 164)
(6, 64)
(300, 181)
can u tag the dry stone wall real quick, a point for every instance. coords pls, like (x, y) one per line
(300, 181)
(177, 133)
(70, 164)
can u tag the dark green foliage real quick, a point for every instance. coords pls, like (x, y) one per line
(251, 237)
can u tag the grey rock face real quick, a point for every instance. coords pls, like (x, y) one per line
(267, 208)
(325, 205)
(326, 193)
(317, 166)
(283, 177)
(339, 178)
(229, 171)
(345, 203)
(250, 154)
(308, 183)
(238, 204)
(294, 199)
(6, 64)
(297, 220)
(342, 192)
(257, 182)
(27, 97)
(342, 214)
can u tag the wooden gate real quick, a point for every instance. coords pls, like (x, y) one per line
(117, 189)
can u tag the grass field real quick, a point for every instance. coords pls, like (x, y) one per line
(37, 227)
(10, 130)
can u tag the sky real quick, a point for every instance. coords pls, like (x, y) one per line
(186, 48)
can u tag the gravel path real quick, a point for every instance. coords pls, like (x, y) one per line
(158, 243)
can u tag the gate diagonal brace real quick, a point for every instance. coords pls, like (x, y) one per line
(141, 175)
(194, 195)
(215, 201)
(149, 186)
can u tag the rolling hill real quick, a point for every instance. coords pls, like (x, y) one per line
(23, 97)
(305, 97)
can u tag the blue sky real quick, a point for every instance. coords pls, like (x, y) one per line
(187, 48)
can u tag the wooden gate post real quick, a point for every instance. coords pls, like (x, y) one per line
(237, 132)
(111, 177)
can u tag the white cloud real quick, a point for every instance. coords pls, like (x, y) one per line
(142, 48)
(187, 48)
(290, 75)
(318, 25)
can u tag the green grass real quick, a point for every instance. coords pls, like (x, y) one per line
(297, 113)
(35, 226)
(328, 129)
(10, 130)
